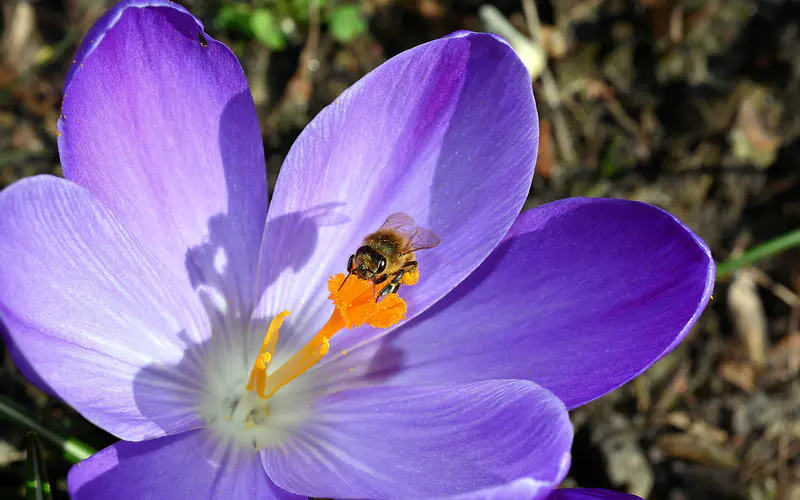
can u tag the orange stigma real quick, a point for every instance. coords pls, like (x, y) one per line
(355, 305)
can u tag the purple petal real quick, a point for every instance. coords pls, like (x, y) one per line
(582, 296)
(190, 465)
(404, 442)
(590, 494)
(445, 132)
(94, 314)
(159, 124)
(21, 363)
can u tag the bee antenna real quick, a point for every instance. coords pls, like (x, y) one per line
(345, 279)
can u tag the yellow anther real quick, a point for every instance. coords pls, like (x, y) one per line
(258, 374)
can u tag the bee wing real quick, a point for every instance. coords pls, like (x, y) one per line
(419, 238)
(401, 222)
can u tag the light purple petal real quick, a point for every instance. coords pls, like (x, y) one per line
(446, 132)
(190, 465)
(163, 130)
(580, 297)
(590, 494)
(94, 314)
(409, 442)
(21, 363)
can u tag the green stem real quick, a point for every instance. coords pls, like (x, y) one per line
(74, 450)
(759, 253)
(37, 486)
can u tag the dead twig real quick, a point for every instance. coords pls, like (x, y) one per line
(785, 294)
(298, 91)
(551, 93)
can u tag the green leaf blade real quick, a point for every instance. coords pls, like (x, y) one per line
(37, 487)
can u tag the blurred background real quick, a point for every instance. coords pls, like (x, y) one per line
(689, 105)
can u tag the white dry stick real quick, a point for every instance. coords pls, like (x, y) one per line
(532, 54)
(18, 41)
(552, 95)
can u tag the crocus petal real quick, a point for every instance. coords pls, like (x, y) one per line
(446, 132)
(21, 363)
(190, 465)
(159, 124)
(590, 494)
(94, 314)
(580, 297)
(409, 442)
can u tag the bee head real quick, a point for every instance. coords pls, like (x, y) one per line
(368, 263)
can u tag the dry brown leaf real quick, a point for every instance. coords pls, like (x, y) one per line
(748, 316)
(695, 449)
(740, 374)
(546, 156)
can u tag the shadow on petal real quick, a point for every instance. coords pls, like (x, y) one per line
(226, 278)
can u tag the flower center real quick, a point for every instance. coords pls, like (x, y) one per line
(262, 416)
(355, 305)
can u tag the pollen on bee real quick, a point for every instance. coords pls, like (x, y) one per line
(410, 277)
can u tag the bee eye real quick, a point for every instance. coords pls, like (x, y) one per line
(381, 265)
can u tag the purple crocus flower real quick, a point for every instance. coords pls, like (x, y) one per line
(139, 290)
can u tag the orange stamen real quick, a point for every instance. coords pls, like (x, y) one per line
(355, 305)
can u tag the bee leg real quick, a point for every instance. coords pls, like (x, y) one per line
(393, 285)
(349, 269)
(388, 289)
(378, 281)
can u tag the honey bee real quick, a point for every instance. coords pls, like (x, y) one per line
(389, 253)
